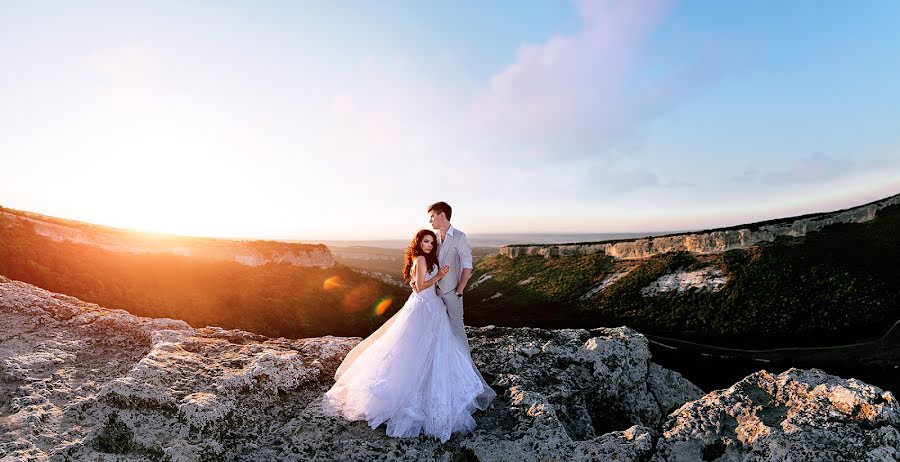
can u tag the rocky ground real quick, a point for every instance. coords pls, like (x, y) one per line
(81, 382)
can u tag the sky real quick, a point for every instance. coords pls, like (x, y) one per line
(345, 120)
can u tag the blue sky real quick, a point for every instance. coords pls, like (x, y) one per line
(301, 120)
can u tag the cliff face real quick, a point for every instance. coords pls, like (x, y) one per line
(258, 253)
(713, 241)
(81, 382)
(251, 253)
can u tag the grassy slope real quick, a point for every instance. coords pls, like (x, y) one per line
(842, 282)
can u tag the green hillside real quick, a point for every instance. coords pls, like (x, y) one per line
(838, 283)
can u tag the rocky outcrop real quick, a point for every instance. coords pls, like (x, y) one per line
(710, 278)
(246, 252)
(797, 415)
(258, 253)
(606, 282)
(713, 241)
(81, 382)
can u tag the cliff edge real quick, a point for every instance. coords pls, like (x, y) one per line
(711, 241)
(79, 382)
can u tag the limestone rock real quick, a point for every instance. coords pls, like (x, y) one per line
(81, 382)
(713, 241)
(799, 415)
(708, 279)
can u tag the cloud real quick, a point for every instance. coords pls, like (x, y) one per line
(556, 108)
(815, 168)
(574, 96)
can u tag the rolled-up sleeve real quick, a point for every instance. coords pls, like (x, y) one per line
(465, 252)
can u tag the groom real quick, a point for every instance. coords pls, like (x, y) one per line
(454, 251)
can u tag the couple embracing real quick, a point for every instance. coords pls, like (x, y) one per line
(415, 373)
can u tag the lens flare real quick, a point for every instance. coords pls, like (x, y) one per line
(333, 282)
(382, 305)
(360, 298)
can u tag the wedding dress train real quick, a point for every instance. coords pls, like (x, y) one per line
(413, 374)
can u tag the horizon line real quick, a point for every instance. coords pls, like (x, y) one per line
(473, 233)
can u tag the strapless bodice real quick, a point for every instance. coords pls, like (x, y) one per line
(431, 291)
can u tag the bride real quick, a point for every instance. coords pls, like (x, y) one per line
(412, 373)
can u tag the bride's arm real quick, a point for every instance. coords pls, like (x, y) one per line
(421, 282)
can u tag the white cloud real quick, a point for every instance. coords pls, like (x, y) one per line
(572, 96)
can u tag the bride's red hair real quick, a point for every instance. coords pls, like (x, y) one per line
(415, 249)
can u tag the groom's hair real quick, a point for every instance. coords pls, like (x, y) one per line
(441, 207)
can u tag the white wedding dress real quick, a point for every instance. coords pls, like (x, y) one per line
(412, 373)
